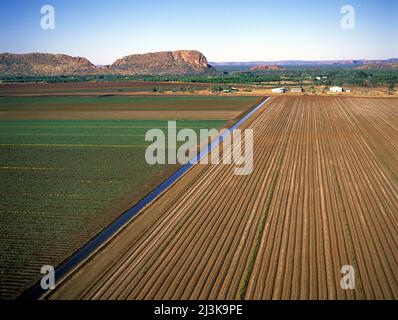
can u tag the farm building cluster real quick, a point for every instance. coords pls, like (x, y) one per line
(339, 89)
(334, 89)
(283, 90)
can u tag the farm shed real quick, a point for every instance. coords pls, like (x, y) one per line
(279, 90)
(336, 89)
(296, 90)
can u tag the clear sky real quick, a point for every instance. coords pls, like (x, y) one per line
(224, 30)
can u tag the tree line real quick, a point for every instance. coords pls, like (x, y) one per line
(328, 76)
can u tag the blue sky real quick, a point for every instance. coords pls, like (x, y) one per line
(224, 30)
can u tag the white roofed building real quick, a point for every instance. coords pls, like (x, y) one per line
(336, 89)
(279, 90)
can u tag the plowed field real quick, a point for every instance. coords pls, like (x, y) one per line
(323, 194)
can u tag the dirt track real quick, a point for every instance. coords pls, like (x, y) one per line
(323, 194)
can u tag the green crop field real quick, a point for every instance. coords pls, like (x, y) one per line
(128, 103)
(63, 181)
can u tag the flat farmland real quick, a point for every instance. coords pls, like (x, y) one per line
(94, 87)
(64, 180)
(323, 194)
(116, 107)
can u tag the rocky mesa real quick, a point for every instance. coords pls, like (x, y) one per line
(180, 62)
(264, 67)
(44, 64)
(379, 66)
(162, 63)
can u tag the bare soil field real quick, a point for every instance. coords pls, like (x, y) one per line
(323, 194)
(89, 87)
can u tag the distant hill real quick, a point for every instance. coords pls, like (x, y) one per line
(306, 63)
(168, 62)
(373, 66)
(264, 67)
(44, 64)
(180, 62)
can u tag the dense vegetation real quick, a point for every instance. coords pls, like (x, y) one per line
(333, 76)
